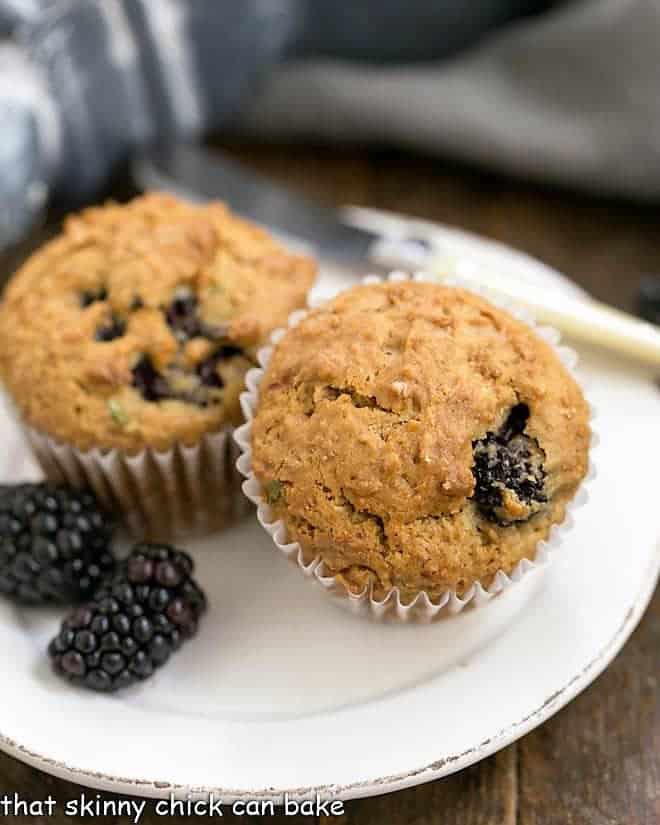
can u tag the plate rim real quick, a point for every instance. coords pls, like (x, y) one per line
(447, 764)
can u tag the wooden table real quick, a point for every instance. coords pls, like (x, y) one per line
(597, 762)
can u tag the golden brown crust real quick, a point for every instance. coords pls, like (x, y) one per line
(80, 390)
(365, 434)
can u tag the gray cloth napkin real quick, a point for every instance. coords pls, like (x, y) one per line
(565, 96)
(569, 97)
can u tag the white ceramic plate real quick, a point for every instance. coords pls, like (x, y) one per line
(285, 692)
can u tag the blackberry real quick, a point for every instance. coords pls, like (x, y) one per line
(207, 370)
(151, 384)
(509, 461)
(89, 297)
(112, 329)
(182, 316)
(54, 544)
(134, 623)
(154, 386)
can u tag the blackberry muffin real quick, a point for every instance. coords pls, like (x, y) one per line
(414, 436)
(132, 331)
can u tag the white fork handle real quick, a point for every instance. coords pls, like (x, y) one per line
(583, 320)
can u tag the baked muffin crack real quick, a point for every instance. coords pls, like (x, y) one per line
(315, 394)
(366, 515)
(358, 400)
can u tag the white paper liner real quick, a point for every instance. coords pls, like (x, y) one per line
(422, 608)
(160, 495)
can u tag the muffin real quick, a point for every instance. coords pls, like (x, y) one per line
(415, 438)
(124, 344)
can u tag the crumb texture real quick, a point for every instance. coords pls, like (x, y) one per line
(135, 326)
(417, 437)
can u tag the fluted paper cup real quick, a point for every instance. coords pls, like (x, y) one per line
(422, 608)
(160, 495)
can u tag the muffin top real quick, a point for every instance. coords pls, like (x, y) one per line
(136, 325)
(415, 436)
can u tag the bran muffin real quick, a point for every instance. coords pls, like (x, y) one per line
(414, 436)
(136, 325)
(134, 328)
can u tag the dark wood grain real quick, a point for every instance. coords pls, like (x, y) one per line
(604, 245)
(33, 785)
(598, 761)
(484, 794)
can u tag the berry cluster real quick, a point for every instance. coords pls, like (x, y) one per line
(54, 544)
(134, 623)
(55, 548)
